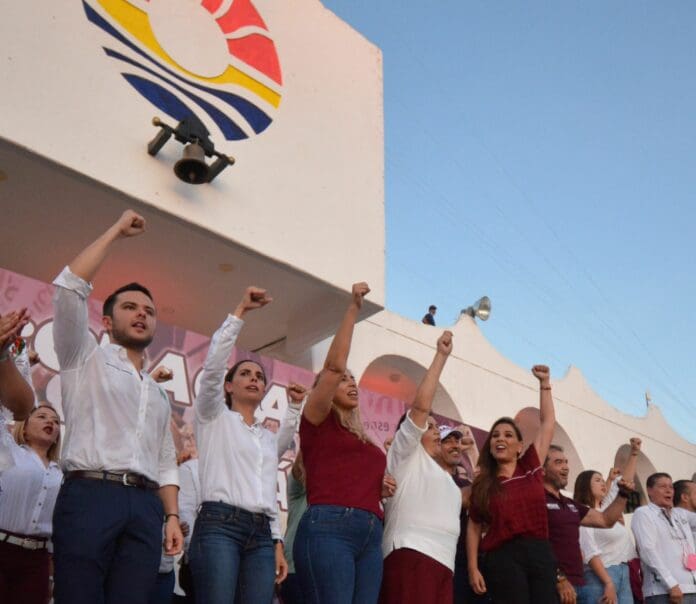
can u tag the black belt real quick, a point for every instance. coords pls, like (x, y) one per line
(24, 541)
(127, 479)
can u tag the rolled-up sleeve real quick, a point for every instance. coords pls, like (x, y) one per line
(168, 470)
(210, 401)
(71, 338)
(288, 427)
(275, 525)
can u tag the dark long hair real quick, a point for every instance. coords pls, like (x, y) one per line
(486, 484)
(583, 488)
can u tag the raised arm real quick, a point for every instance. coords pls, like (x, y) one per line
(86, 264)
(15, 393)
(609, 516)
(291, 421)
(629, 470)
(547, 414)
(211, 395)
(407, 439)
(423, 402)
(318, 405)
(71, 337)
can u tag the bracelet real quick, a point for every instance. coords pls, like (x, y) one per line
(634, 454)
(168, 516)
(545, 387)
(277, 541)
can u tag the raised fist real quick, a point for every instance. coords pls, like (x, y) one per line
(626, 486)
(130, 224)
(34, 358)
(360, 290)
(542, 373)
(613, 473)
(295, 392)
(444, 343)
(162, 374)
(11, 326)
(255, 297)
(635, 444)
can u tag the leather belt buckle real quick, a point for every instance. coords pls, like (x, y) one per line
(126, 483)
(30, 544)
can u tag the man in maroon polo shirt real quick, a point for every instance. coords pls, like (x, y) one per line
(565, 518)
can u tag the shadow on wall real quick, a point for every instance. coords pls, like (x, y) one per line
(398, 377)
(528, 421)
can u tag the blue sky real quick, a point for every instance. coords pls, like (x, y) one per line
(544, 154)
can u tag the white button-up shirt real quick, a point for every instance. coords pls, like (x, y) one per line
(424, 512)
(115, 418)
(237, 463)
(28, 489)
(662, 544)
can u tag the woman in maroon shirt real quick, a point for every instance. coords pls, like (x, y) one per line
(337, 552)
(508, 501)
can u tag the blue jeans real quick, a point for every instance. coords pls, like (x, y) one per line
(593, 590)
(338, 555)
(232, 556)
(107, 542)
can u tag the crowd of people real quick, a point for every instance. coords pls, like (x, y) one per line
(106, 513)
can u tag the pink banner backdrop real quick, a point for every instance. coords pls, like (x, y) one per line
(184, 352)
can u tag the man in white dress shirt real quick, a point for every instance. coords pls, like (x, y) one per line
(665, 545)
(121, 478)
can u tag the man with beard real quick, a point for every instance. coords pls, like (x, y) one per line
(121, 478)
(565, 518)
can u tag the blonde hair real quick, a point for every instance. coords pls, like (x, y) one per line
(18, 432)
(351, 421)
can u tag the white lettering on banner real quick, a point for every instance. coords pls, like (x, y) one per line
(43, 344)
(283, 468)
(197, 382)
(274, 404)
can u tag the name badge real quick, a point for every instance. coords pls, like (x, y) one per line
(553, 506)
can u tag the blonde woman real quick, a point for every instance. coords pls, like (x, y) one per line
(337, 551)
(28, 491)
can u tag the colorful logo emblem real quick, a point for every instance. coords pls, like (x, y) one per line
(213, 57)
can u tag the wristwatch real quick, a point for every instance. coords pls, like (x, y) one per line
(560, 576)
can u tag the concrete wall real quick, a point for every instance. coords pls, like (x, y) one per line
(314, 174)
(479, 385)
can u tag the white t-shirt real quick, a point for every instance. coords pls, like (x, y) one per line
(613, 545)
(423, 514)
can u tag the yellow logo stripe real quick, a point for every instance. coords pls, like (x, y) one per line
(136, 22)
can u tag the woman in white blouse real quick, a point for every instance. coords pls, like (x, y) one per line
(28, 491)
(236, 550)
(606, 552)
